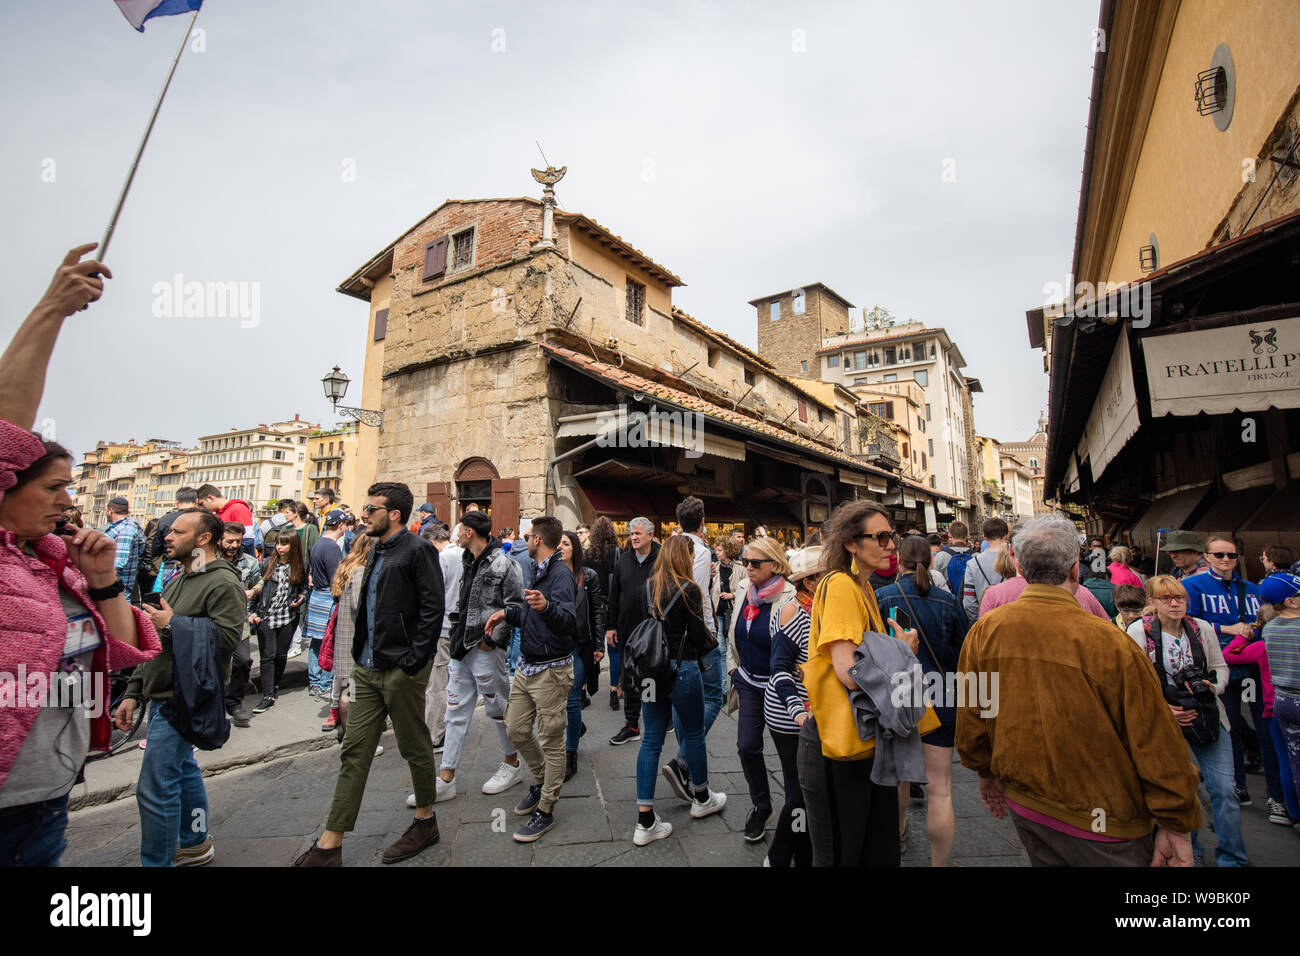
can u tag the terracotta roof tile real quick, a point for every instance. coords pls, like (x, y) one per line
(686, 400)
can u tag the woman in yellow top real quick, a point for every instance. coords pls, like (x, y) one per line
(852, 822)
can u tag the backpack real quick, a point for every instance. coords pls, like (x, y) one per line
(956, 569)
(648, 657)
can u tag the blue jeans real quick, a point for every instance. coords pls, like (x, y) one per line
(1232, 695)
(1215, 761)
(574, 729)
(687, 703)
(711, 671)
(33, 834)
(318, 677)
(513, 655)
(1284, 768)
(172, 800)
(614, 653)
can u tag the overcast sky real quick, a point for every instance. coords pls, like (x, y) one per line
(699, 132)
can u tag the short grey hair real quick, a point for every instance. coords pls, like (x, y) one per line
(645, 524)
(1046, 548)
(1120, 554)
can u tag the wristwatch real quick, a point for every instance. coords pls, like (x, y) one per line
(107, 593)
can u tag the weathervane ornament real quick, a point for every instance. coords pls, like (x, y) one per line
(548, 178)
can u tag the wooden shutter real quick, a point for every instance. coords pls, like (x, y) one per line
(381, 326)
(505, 503)
(438, 494)
(803, 411)
(435, 258)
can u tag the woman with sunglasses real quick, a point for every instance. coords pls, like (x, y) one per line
(749, 655)
(1167, 630)
(1230, 604)
(851, 821)
(941, 625)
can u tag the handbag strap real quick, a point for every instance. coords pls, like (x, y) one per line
(919, 629)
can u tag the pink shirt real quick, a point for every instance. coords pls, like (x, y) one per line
(1119, 574)
(1059, 826)
(1011, 589)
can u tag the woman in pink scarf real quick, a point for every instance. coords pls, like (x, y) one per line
(64, 622)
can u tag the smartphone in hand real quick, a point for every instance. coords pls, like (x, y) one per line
(902, 617)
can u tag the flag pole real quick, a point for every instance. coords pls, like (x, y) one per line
(102, 251)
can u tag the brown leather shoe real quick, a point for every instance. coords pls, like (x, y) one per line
(419, 835)
(318, 857)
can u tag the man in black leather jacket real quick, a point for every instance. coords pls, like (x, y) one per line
(399, 620)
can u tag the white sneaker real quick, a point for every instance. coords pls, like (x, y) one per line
(445, 792)
(294, 649)
(505, 778)
(379, 751)
(644, 835)
(715, 803)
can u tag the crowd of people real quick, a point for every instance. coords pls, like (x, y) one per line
(1092, 695)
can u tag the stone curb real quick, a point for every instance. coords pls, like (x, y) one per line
(110, 794)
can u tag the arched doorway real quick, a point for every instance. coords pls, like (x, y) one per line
(473, 485)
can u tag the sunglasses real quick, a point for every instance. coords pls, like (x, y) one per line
(1224, 554)
(755, 562)
(882, 537)
(370, 509)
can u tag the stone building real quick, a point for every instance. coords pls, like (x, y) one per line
(814, 331)
(555, 375)
(259, 465)
(332, 463)
(1033, 454)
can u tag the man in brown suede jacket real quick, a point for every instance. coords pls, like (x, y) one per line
(1079, 742)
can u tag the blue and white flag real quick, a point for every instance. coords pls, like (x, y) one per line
(138, 11)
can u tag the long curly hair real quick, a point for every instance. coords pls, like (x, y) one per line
(602, 538)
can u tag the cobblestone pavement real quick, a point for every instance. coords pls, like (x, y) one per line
(265, 815)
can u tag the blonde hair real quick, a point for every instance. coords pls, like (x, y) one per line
(1004, 565)
(1163, 585)
(354, 559)
(771, 549)
(1120, 555)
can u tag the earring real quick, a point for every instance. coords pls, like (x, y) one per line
(853, 567)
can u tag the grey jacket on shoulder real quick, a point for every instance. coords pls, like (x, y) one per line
(885, 714)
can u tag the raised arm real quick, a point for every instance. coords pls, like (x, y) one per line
(23, 365)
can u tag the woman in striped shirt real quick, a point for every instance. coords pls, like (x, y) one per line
(785, 704)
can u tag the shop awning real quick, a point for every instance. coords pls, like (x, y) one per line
(1169, 512)
(618, 503)
(685, 430)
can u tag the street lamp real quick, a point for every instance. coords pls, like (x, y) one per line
(336, 386)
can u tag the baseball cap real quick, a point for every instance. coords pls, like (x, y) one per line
(335, 517)
(1276, 588)
(426, 508)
